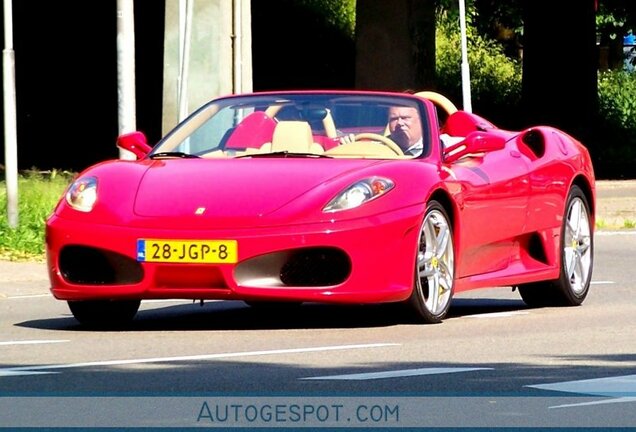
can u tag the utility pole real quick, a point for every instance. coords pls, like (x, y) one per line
(467, 104)
(185, 43)
(237, 47)
(126, 71)
(10, 123)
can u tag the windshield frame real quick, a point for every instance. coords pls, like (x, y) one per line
(269, 101)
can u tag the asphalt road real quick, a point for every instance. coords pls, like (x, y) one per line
(492, 362)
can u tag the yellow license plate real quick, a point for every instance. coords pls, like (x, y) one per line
(187, 251)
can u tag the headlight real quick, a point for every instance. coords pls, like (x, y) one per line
(82, 194)
(359, 193)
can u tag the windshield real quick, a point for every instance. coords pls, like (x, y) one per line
(337, 125)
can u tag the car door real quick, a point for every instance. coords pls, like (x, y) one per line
(549, 178)
(493, 198)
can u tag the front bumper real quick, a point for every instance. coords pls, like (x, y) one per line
(366, 260)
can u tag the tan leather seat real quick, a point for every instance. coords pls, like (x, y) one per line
(294, 137)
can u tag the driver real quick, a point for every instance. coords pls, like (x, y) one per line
(405, 128)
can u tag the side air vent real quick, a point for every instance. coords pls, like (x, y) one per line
(534, 141)
(536, 249)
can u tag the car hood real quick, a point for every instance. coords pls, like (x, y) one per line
(238, 188)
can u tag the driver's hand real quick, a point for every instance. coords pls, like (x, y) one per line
(347, 139)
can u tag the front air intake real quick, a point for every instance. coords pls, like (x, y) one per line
(316, 267)
(91, 266)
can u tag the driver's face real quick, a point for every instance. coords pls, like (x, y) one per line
(405, 126)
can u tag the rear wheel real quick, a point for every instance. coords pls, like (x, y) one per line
(577, 259)
(104, 313)
(434, 266)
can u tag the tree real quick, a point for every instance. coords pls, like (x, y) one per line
(395, 44)
(560, 85)
(302, 44)
(501, 21)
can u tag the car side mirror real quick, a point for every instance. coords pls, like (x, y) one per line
(134, 142)
(475, 142)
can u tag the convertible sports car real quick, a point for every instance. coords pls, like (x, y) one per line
(308, 196)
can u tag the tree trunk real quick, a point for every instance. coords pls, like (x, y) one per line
(560, 86)
(395, 44)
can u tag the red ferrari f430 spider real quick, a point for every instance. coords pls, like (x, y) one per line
(327, 196)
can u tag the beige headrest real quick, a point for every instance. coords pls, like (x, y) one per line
(293, 136)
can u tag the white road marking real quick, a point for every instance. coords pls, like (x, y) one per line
(28, 370)
(9, 373)
(27, 296)
(601, 402)
(610, 386)
(394, 374)
(33, 342)
(602, 282)
(621, 389)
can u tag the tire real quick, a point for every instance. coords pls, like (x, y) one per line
(434, 266)
(576, 262)
(104, 313)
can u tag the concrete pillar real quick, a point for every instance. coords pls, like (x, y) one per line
(220, 60)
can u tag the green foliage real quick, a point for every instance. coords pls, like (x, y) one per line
(610, 24)
(617, 99)
(614, 18)
(617, 122)
(496, 89)
(338, 13)
(495, 79)
(37, 195)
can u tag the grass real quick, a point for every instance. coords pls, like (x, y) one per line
(38, 193)
(626, 224)
(601, 224)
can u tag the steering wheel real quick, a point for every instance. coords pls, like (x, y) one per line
(440, 100)
(381, 139)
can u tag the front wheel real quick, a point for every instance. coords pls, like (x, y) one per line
(434, 266)
(577, 259)
(104, 313)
